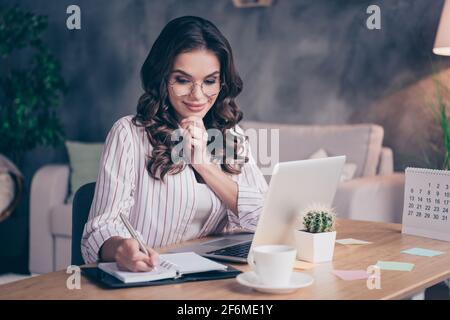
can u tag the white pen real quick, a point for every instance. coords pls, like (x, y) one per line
(134, 234)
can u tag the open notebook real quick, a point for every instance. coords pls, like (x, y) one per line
(171, 266)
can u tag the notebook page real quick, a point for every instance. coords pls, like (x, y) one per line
(161, 272)
(190, 262)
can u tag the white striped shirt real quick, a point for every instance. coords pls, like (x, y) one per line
(159, 211)
(204, 206)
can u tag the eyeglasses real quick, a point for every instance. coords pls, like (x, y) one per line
(184, 87)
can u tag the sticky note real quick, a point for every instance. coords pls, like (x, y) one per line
(303, 265)
(423, 252)
(349, 275)
(352, 241)
(393, 265)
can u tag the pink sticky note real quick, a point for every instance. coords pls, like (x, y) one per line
(351, 274)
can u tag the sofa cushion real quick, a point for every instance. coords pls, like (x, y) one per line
(61, 220)
(360, 143)
(84, 161)
(348, 171)
(11, 186)
(7, 190)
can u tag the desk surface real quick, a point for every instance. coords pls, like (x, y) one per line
(387, 244)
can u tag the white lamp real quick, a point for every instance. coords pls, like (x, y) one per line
(442, 42)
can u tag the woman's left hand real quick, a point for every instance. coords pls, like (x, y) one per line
(197, 140)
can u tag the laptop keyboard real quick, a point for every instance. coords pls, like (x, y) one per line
(240, 250)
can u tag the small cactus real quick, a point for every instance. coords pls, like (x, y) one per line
(318, 218)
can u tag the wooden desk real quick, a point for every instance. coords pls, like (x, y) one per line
(387, 244)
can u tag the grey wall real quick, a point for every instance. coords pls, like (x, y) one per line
(305, 61)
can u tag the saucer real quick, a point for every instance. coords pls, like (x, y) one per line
(298, 280)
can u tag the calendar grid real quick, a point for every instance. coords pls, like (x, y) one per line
(426, 203)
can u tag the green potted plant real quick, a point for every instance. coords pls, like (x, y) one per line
(442, 118)
(30, 85)
(316, 238)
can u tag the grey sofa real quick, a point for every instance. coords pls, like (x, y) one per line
(376, 192)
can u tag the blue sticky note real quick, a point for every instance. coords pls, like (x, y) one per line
(393, 265)
(423, 252)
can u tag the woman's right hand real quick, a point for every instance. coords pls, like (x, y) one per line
(125, 252)
(129, 258)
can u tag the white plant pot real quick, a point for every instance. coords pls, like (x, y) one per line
(315, 247)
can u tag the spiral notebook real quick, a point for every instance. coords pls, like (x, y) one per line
(171, 266)
(426, 203)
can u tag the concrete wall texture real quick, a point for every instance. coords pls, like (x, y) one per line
(304, 61)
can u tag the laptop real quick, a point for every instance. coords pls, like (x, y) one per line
(294, 185)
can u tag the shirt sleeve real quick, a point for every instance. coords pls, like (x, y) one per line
(252, 188)
(113, 193)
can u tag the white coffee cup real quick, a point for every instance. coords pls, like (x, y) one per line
(273, 264)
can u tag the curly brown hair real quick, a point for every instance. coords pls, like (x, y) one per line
(154, 111)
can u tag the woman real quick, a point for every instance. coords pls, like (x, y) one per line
(190, 84)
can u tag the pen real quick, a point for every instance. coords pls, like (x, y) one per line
(133, 233)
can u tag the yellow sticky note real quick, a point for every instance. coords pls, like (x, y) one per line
(352, 241)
